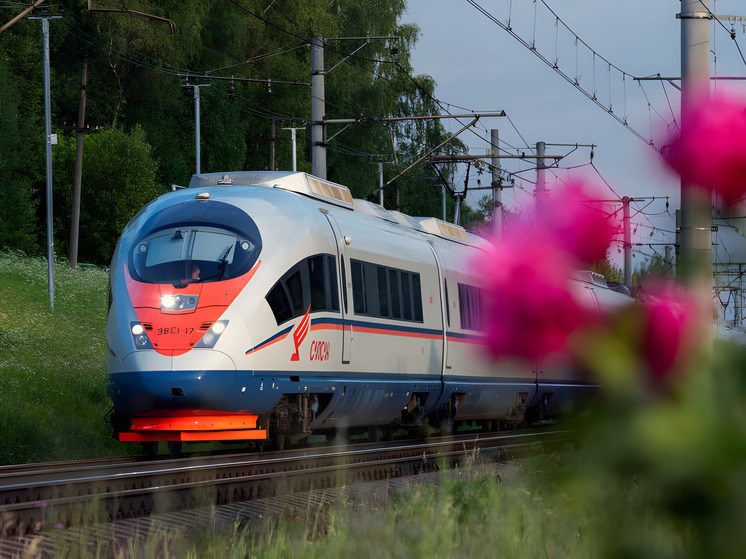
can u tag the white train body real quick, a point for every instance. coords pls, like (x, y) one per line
(258, 301)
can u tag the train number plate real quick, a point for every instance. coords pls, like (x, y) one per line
(175, 330)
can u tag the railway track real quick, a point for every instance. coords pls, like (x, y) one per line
(37, 498)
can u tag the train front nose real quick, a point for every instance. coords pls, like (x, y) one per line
(151, 382)
(205, 380)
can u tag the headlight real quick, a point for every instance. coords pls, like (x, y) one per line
(139, 336)
(179, 302)
(212, 336)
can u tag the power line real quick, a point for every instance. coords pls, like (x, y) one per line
(576, 80)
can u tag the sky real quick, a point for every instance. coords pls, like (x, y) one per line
(481, 67)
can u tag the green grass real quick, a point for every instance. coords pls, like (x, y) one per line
(52, 363)
(516, 510)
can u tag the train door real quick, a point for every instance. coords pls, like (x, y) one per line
(345, 282)
(445, 311)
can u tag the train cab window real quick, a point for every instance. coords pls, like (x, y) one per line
(470, 303)
(312, 282)
(386, 292)
(187, 254)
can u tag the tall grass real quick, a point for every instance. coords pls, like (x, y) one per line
(514, 510)
(52, 363)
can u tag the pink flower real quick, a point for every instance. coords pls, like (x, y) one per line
(530, 309)
(575, 216)
(710, 150)
(669, 328)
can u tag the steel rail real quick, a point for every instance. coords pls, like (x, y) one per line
(33, 500)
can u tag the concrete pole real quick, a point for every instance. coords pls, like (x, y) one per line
(627, 243)
(197, 154)
(695, 265)
(48, 143)
(292, 140)
(380, 183)
(318, 108)
(540, 172)
(497, 205)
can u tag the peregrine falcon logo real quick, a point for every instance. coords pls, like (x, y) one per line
(300, 333)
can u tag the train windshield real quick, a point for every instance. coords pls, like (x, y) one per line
(184, 255)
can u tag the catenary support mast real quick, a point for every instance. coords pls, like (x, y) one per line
(694, 264)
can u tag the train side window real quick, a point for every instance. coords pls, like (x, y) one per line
(417, 297)
(359, 301)
(331, 287)
(470, 304)
(316, 273)
(383, 292)
(386, 292)
(322, 273)
(279, 303)
(312, 282)
(295, 287)
(372, 301)
(395, 293)
(406, 292)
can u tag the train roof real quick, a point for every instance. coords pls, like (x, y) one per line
(338, 195)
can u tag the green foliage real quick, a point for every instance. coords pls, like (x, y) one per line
(133, 79)
(656, 266)
(16, 205)
(118, 180)
(662, 463)
(607, 269)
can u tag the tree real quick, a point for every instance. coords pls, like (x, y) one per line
(135, 95)
(655, 266)
(119, 178)
(16, 205)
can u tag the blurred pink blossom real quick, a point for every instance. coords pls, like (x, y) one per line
(710, 150)
(576, 218)
(669, 327)
(530, 309)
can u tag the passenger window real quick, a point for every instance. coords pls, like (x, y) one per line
(358, 292)
(470, 305)
(395, 294)
(310, 283)
(386, 292)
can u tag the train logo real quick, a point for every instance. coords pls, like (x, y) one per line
(299, 334)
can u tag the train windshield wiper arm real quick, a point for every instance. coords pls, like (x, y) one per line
(224, 262)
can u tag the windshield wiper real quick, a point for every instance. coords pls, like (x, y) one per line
(224, 262)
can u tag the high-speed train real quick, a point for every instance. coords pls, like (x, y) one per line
(253, 304)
